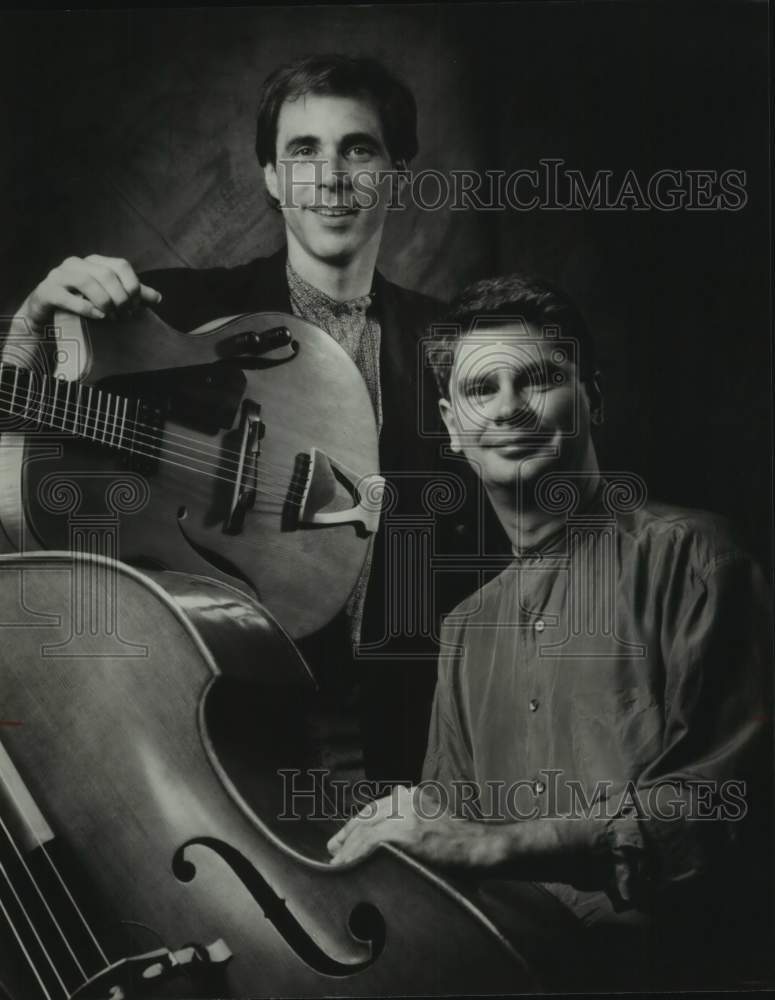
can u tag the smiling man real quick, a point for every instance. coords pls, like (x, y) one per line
(333, 132)
(600, 719)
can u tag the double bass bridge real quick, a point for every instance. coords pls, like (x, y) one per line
(140, 975)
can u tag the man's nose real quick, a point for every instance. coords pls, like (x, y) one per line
(511, 404)
(334, 171)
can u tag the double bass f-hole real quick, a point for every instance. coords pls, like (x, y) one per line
(365, 923)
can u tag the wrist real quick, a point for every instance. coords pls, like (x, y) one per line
(36, 313)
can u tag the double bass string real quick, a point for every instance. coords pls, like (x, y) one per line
(42, 896)
(31, 922)
(21, 944)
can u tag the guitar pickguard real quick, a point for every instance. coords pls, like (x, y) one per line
(203, 397)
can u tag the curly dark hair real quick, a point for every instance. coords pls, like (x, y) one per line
(523, 296)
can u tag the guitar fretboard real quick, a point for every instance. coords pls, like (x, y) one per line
(77, 409)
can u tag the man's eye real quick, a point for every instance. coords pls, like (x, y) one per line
(537, 381)
(360, 152)
(304, 152)
(481, 389)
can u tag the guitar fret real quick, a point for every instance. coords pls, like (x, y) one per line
(98, 414)
(63, 405)
(114, 433)
(135, 425)
(77, 414)
(55, 405)
(13, 390)
(111, 408)
(107, 417)
(2, 383)
(29, 387)
(88, 411)
(123, 423)
(41, 410)
(67, 406)
(30, 395)
(109, 420)
(114, 421)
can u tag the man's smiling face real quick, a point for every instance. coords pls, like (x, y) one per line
(516, 407)
(329, 151)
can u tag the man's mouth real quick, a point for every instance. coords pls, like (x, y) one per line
(334, 211)
(514, 444)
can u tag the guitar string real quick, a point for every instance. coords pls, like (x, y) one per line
(76, 406)
(156, 438)
(292, 497)
(101, 423)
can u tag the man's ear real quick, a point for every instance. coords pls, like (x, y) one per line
(270, 179)
(402, 173)
(594, 390)
(448, 416)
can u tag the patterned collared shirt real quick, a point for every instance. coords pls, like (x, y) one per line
(352, 324)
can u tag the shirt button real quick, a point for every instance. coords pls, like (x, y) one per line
(539, 787)
(539, 625)
(533, 704)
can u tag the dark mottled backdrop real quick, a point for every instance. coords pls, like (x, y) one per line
(131, 134)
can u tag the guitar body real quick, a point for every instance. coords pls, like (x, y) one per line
(108, 701)
(198, 456)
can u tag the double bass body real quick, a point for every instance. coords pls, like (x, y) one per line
(111, 743)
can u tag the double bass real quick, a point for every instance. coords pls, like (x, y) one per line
(132, 864)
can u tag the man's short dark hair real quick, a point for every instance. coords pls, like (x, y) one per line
(340, 76)
(512, 296)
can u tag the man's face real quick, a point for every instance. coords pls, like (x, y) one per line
(329, 150)
(517, 409)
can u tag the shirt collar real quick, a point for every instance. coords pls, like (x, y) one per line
(301, 288)
(557, 540)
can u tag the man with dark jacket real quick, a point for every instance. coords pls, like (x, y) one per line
(334, 134)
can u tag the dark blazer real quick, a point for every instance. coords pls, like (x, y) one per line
(397, 682)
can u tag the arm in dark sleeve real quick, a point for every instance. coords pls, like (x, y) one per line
(448, 758)
(190, 297)
(693, 800)
(687, 809)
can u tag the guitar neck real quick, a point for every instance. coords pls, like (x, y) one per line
(70, 407)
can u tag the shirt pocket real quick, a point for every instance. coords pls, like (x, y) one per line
(616, 733)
